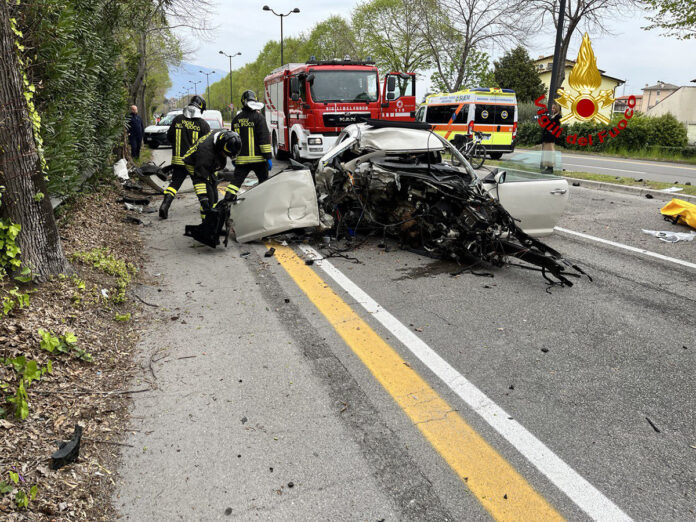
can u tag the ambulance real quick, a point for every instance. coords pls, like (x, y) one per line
(489, 110)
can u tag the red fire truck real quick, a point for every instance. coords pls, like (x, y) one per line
(307, 104)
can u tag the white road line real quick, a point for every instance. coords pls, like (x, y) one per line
(627, 247)
(565, 478)
(666, 165)
(602, 168)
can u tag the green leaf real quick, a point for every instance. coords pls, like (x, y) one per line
(70, 338)
(33, 491)
(5, 488)
(14, 477)
(21, 499)
(19, 363)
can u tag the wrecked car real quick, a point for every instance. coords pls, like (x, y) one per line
(404, 181)
(401, 180)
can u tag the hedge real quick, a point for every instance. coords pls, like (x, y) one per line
(641, 132)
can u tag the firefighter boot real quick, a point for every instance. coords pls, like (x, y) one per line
(164, 207)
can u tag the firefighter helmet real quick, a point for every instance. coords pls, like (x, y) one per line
(248, 96)
(230, 143)
(199, 102)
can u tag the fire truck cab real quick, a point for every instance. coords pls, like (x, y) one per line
(307, 104)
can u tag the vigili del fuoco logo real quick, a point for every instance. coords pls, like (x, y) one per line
(584, 101)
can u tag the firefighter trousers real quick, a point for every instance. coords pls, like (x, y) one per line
(242, 171)
(179, 174)
(206, 191)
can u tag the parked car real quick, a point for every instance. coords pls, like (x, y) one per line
(156, 135)
(214, 119)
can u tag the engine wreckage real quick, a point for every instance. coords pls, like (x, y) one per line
(405, 182)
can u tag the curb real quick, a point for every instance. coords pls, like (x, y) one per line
(627, 189)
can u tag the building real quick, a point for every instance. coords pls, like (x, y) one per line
(654, 94)
(544, 64)
(621, 104)
(680, 103)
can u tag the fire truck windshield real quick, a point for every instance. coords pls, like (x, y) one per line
(344, 86)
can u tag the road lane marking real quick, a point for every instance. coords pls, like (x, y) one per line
(628, 247)
(603, 168)
(502, 491)
(580, 491)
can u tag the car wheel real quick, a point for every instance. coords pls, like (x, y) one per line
(153, 145)
(277, 153)
(495, 155)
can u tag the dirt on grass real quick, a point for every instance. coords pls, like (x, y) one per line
(105, 251)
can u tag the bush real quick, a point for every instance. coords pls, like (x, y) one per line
(641, 133)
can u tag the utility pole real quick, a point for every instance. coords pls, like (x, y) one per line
(230, 56)
(207, 82)
(556, 55)
(195, 86)
(296, 10)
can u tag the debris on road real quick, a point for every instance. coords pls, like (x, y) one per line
(269, 252)
(670, 190)
(67, 451)
(648, 196)
(670, 237)
(652, 424)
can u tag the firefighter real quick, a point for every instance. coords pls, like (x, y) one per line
(256, 143)
(207, 156)
(183, 132)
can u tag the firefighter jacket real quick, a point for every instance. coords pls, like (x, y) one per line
(256, 140)
(183, 133)
(204, 159)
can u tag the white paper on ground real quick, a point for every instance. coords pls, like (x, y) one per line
(671, 237)
(286, 201)
(670, 190)
(121, 169)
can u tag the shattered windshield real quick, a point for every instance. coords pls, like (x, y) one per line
(344, 86)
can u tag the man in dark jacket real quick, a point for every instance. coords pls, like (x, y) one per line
(183, 132)
(255, 155)
(136, 129)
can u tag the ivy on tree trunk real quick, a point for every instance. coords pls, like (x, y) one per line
(21, 174)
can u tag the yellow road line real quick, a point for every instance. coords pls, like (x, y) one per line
(502, 491)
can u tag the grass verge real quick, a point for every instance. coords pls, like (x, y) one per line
(617, 180)
(648, 154)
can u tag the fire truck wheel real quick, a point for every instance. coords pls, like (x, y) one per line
(495, 155)
(296, 150)
(279, 154)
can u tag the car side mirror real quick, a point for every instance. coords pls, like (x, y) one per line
(391, 83)
(500, 177)
(391, 96)
(295, 96)
(310, 78)
(496, 176)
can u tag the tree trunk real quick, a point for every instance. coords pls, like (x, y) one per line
(20, 170)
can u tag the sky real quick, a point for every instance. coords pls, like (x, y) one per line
(630, 53)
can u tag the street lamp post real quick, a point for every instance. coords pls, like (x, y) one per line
(296, 10)
(207, 83)
(230, 56)
(195, 86)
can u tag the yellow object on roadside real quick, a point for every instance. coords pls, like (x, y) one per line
(680, 212)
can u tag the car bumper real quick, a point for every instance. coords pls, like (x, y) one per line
(156, 138)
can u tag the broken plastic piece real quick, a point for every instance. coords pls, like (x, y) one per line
(67, 451)
(269, 252)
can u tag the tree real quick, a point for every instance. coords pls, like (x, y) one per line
(24, 200)
(676, 18)
(475, 73)
(332, 38)
(591, 15)
(456, 30)
(391, 33)
(516, 71)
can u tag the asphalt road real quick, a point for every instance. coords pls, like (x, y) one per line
(648, 170)
(340, 396)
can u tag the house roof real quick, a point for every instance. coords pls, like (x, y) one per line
(625, 98)
(573, 62)
(661, 86)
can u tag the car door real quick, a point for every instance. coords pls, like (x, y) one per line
(536, 200)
